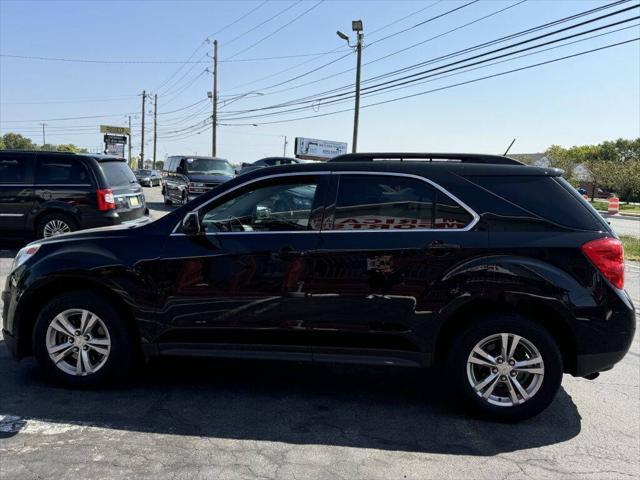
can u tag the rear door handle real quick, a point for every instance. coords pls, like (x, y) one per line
(439, 245)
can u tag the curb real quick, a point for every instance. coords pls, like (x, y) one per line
(625, 216)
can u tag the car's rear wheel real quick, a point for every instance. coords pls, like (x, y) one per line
(80, 339)
(505, 367)
(55, 224)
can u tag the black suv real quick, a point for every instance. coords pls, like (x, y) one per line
(186, 177)
(499, 273)
(50, 193)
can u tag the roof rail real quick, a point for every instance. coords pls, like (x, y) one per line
(427, 157)
(17, 150)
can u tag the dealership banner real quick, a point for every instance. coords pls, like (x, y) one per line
(314, 149)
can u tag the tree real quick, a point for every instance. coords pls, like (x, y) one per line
(159, 164)
(15, 141)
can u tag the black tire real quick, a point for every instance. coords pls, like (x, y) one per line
(45, 220)
(166, 200)
(123, 346)
(185, 198)
(485, 326)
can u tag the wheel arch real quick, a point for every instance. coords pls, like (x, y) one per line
(55, 209)
(545, 315)
(43, 294)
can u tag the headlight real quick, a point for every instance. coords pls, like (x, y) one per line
(24, 254)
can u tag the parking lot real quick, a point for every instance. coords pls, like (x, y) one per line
(222, 419)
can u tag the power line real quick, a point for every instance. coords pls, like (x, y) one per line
(453, 85)
(425, 73)
(277, 30)
(280, 12)
(289, 80)
(240, 18)
(316, 98)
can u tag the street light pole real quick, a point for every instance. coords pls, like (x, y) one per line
(357, 27)
(356, 113)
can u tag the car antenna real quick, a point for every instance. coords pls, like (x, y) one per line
(509, 147)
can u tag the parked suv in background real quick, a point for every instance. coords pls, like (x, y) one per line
(50, 193)
(499, 273)
(186, 177)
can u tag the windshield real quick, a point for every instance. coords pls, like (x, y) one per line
(208, 165)
(143, 172)
(118, 173)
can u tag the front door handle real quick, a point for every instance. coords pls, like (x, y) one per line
(286, 253)
(439, 245)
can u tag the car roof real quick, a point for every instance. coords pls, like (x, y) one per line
(408, 167)
(96, 156)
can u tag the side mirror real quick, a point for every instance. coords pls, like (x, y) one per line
(191, 224)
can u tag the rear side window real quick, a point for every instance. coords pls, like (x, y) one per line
(117, 173)
(386, 202)
(12, 170)
(545, 197)
(61, 171)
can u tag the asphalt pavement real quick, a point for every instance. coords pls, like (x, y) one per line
(187, 419)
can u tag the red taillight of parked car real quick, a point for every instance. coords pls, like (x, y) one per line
(105, 199)
(607, 255)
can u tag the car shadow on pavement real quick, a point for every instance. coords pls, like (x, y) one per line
(160, 207)
(363, 407)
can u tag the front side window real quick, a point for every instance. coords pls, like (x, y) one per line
(270, 208)
(12, 170)
(385, 202)
(61, 171)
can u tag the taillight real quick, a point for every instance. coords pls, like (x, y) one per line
(608, 256)
(105, 199)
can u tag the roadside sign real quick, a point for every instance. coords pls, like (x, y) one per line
(116, 149)
(115, 139)
(116, 130)
(314, 149)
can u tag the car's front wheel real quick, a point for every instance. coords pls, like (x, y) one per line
(505, 367)
(79, 339)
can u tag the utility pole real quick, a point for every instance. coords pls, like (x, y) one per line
(214, 113)
(284, 154)
(129, 139)
(43, 136)
(141, 160)
(155, 129)
(357, 27)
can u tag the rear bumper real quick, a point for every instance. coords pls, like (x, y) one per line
(112, 217)
(597, 362)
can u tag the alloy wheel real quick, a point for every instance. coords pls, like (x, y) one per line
(505, 369)
(55, 227)
(78, 342)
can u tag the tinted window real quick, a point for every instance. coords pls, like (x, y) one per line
(273, 208)
(372, 202)
(12, 170)
(61, 171)
(450, 214)
(208, 166)
(118, 173)
(544, 197)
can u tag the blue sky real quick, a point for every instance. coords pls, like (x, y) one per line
(586, 99)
